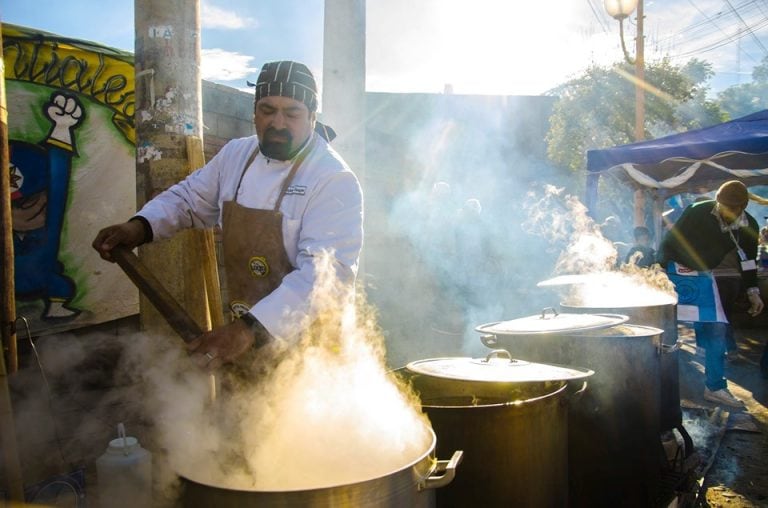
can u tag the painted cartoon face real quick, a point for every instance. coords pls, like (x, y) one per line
(17, 180)
(29, 166)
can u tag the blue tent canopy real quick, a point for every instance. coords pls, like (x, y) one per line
(695, 161)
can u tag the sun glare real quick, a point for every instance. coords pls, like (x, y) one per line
(496, 47)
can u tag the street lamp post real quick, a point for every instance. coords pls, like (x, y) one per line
(620, 10)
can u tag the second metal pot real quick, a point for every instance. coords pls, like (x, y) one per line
(510, 417)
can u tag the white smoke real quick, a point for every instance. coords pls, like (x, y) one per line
(322, 412)
(593, 276)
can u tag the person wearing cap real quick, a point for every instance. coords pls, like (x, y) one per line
(697, 243)
(281, 198)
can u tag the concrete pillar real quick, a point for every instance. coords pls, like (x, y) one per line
(168, 110)
(343, 101)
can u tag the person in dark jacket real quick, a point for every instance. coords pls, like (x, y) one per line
(641, 253)
(703, 235)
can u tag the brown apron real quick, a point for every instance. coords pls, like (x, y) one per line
(255, 260)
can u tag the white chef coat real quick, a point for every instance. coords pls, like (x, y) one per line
(322, 211)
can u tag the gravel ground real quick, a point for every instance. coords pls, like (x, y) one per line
(738, 473)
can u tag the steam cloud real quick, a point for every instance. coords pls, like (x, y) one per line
(319, 413)
(595, 276)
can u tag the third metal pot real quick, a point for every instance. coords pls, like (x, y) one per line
(615, 455)
(662, 316)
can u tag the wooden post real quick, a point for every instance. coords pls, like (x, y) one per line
(640, 104)
(13, 479)
(8, 304)
(205, 254)
(168, 109)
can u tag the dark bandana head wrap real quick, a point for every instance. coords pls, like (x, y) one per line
(287, 79)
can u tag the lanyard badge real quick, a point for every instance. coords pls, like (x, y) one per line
(746, 264)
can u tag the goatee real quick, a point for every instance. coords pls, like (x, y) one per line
(277, 144)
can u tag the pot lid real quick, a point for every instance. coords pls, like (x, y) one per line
(551, 321)
(498, 366)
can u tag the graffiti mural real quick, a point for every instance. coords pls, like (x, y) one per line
(72, 170)
(39, 187)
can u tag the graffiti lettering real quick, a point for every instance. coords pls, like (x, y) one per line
(103, 78)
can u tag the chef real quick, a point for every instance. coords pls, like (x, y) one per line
(282, 198)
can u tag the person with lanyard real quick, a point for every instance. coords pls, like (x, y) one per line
(698, 241)
(282, 198)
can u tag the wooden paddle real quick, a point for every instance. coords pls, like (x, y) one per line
(181, 322)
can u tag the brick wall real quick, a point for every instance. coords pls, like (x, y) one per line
(227, 114)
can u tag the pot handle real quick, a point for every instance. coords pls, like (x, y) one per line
(548, 309)
(447, 468)
(489, 341)
(576, 395)
(497, 353)
(671, 348)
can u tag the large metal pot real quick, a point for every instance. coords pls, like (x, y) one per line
(412, 485)
(662, 316)
(615, 454)
(510, 417)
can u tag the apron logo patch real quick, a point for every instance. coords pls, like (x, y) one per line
(296, 190)
(239, 308)
(258, 266)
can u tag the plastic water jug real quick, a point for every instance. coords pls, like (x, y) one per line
(124, 473)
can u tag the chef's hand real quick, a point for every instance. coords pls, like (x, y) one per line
(221, 345)
(756, 304)
(130, 234)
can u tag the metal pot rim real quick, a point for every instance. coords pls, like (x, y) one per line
(598, 308)
(498, 368)
(560, 390)
(551, 322)
(429, 451)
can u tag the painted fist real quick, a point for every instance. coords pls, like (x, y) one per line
(65, 111)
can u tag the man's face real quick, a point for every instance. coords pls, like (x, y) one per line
(283, 125)
(730, 213)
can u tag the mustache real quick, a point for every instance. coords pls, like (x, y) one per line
(271, 131)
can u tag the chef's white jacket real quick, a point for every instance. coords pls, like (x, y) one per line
(322, 211)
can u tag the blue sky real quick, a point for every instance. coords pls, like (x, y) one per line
(478, 46)
(236, 39)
